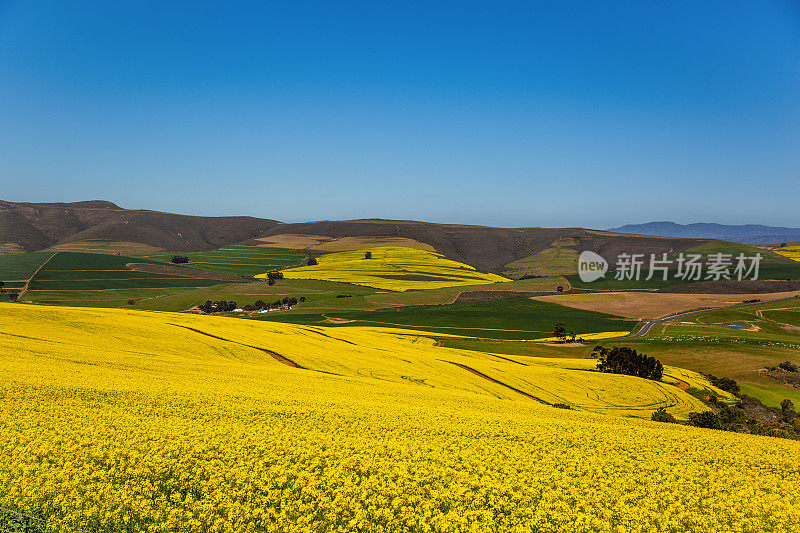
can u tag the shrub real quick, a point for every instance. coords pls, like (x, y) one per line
(726, 384)
(177, 259)
(561, 406)
(788, 366)
(706, 419)
(661, 415)
(787, 410)
(368, 255)
(312, 261)
(131, 302)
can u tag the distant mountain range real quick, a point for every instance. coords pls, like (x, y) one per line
(746, 234)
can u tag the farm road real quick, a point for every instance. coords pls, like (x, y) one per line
(644, 329)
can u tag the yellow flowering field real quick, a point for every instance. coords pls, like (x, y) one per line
(395, 268)
(792, 252)
(117, 420)
(600, 335)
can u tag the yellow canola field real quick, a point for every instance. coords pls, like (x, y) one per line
(590, 336)
(792, 252)
(394, 268)
(119, 420)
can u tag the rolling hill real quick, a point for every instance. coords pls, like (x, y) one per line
(35, 226)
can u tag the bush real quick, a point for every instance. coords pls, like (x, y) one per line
(787, 410)
(13, 296)
(726, 384)
(788, 366)
(131, 302)
(663, 416)
(561, 406)
(368, 255)
(312, 261)
(706, 419)
(178, 259)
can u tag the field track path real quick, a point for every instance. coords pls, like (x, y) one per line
(28, 282)
(484, 376)
(644, 329)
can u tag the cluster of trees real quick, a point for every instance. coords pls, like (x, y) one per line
(624, 360)
(273, 276)
(178, 259)
(788, 366)
(312, 261)
(259, 305)
(560, 332)
(222, 306)
(217, 307)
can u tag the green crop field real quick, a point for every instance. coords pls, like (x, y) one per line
(20, 267)
(73, 278)
(516, 318)
(238, 260)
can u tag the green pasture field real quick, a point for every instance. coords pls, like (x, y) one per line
(238, 260)
(20, 267)
(516, 318)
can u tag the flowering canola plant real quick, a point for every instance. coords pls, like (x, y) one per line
(116, 420)
(395, 268)
(792, 252)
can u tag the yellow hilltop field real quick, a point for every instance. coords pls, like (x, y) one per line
(792, 252)
(120, 420)
(395, 268)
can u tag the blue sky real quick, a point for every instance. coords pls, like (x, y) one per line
(588, 114)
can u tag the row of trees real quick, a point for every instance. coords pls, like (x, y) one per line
(217, 307)
(259, 305)
(224, 306)
(624, 360)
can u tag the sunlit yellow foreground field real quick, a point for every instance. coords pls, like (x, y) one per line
(395, 268)
(131, 421)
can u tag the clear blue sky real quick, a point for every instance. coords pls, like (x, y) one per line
(517, 114)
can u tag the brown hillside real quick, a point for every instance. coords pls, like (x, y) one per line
(39, 225)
